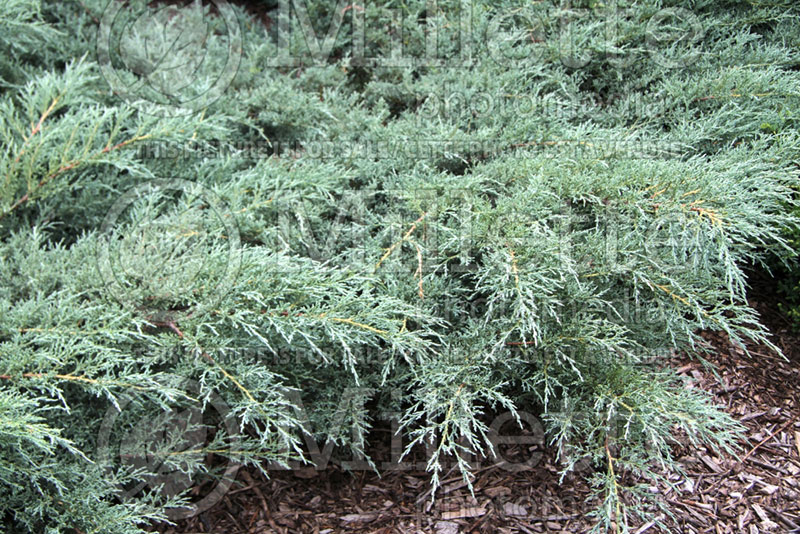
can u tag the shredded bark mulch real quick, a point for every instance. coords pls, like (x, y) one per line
(757, 492)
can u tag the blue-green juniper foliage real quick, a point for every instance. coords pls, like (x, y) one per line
(485, 207)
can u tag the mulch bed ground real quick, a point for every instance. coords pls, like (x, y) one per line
(758, 492)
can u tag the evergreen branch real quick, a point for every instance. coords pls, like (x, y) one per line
(418, 273)
(58, 331)
(613, 478)
(561, 264)
(229, 376)
(67, 167)
(737, 95)
(354, 323)
(172, 326)
(34, 130)
(73, 378)
(88, 12)
(514, 269)
(405, 238)
(449, 416)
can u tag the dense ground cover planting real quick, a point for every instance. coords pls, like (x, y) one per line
(227, 236)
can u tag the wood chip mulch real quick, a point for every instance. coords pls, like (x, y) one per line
(758, 492)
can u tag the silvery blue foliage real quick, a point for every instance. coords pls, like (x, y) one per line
(221, 242)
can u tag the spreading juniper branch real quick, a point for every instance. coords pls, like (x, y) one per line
(550, 253)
